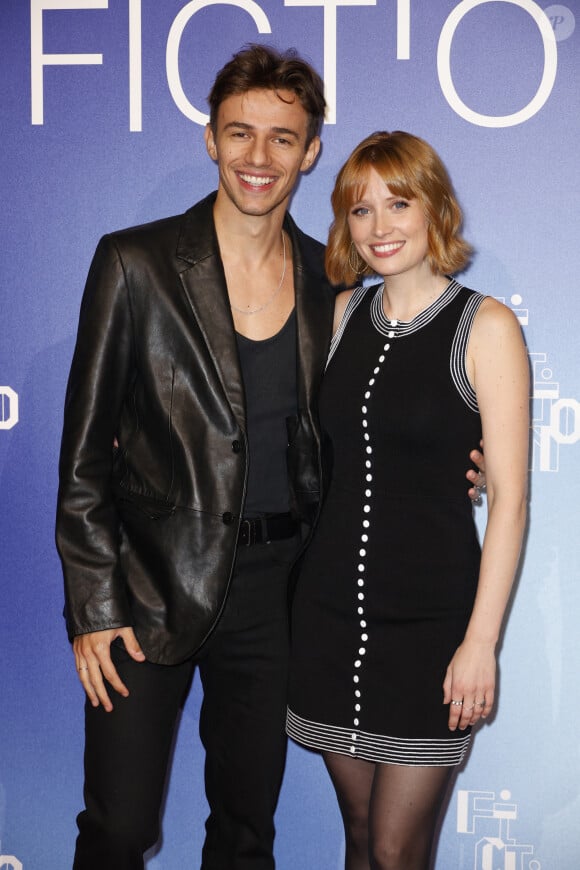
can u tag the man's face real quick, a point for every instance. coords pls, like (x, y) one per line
(260, 149)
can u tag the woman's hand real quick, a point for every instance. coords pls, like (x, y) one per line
(469, 685)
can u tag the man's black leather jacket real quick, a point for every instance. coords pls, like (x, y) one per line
(147, 530)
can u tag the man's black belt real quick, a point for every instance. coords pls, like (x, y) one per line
(260, 530)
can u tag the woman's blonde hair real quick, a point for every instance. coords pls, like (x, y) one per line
(410, 168)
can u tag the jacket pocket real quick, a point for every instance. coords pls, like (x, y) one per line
(149, 506)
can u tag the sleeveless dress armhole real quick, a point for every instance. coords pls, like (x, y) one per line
(457, 362)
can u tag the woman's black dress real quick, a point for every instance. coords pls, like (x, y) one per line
(388, 582)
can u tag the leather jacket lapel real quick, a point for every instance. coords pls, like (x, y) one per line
(204, 283)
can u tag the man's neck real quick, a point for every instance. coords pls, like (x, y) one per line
(258, 265)
(245, 236)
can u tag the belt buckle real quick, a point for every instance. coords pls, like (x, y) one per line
(247, 529)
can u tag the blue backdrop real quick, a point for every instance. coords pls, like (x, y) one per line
(102, 111)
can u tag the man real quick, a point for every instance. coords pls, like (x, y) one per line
(202, 342)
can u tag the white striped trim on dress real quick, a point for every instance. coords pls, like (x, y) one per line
(458, 350)
(358, 294)
(382, 323)
(377, 747)
(407, 327)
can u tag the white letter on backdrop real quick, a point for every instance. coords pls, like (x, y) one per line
(548, 76)
(403, 29)
(174, 39)
(135, 68)
(329, 73)
(38, 60)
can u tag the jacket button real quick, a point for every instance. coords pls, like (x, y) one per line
(236, 446)
(227, 518)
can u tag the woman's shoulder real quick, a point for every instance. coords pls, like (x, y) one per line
(487, 311)
(348, 300)
(496, 335)
(493, 315)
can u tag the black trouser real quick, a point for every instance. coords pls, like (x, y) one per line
(243, 668)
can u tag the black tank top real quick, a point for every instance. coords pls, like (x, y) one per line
(269, 373)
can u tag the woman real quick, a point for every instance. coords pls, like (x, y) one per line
(398, 611)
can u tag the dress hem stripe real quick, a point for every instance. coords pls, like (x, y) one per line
(376, 747)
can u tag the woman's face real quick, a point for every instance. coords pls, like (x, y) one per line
(388, 231)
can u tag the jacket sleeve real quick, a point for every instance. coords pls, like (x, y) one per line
(87, 529)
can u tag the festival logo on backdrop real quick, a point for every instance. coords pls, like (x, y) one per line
(9, 862)
(489, 823)
(8, 415)
(555, 419)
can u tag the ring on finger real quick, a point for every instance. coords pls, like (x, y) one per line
(85, 668)
(457, 703)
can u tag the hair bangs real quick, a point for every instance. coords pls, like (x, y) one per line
(387, 165)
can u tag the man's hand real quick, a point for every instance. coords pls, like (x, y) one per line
(477, 478)
(93, 660)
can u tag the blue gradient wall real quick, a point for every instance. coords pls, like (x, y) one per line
(102, 105)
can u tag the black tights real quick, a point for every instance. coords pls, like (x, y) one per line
(389, 811)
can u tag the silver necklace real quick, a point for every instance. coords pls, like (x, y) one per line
(274, 294)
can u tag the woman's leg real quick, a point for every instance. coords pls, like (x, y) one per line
(389, 811)
(404, 807)
(353, 782)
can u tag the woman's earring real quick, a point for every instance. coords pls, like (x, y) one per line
(358, 266)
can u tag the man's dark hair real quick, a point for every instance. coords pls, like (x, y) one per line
(261, 67)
